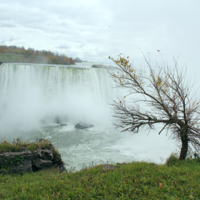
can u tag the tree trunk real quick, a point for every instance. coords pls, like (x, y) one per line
(184, 148)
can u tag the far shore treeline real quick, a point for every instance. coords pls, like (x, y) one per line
(30, 55)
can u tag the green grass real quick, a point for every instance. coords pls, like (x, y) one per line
(19, 145)
(172, 160)
(10, 57)
(137, 180)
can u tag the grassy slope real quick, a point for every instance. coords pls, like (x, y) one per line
(21, 58)
(9, 57)
(137, 180)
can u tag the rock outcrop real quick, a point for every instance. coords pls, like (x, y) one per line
(27, 161)
(102, 66)
(83, 126)
(98, 66)
(108, 167)
(63, 124)
(16, 162)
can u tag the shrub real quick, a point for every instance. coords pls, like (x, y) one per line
(19, 145)
(172, 160)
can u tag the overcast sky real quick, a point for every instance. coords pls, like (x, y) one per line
(94, 29)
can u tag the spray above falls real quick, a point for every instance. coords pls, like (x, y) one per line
(32, 93)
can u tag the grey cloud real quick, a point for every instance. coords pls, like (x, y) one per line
(63, 47)
(96, 29)
(7, 25)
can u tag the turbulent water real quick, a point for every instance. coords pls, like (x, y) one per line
(36, 99)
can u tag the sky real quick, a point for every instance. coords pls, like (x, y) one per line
(95, 29)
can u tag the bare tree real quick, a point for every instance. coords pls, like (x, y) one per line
(162, 97)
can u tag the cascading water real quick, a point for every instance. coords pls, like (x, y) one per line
(35, 99)
(31, 93)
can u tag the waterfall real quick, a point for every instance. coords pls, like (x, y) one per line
(35, 98)
(30, 93)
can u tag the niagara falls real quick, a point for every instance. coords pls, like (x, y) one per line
(47, 101)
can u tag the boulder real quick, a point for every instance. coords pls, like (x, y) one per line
(63, 124)
(24, 166)
(102, 66)
(27, 161)
(83, 126)
(98, 66)
(44, 154)
(57, 120)
(58, 163)
(14, 157)
(57, 159)
(43, 164)
(16, 162)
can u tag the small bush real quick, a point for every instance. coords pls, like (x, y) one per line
(6, 147)
(19, 145)
(172, 160)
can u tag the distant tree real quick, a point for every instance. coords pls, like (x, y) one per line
(77, 60)
(66, 61)
(2, 50)
(162, 97)
(35, 56)
(71, 61)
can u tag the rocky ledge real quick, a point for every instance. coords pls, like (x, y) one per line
(30, 161)
(100, 66)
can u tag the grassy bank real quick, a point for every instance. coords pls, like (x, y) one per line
(22, 58)
(137, 180)
(18, 145)
(41, 59)
(10, 57)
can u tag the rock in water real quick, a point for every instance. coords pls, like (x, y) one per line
(83, 125)
(102, 66)
(98, 66)
(57, 120)
(63, 124)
